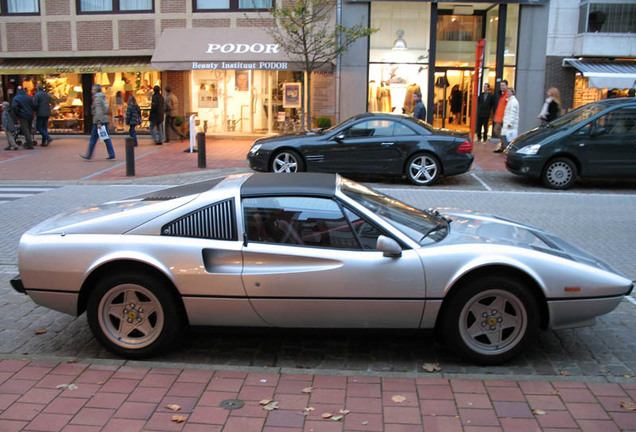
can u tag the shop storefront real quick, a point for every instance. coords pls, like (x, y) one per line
(239, 82)
(68, 83)
(431, 48)
(597, 79)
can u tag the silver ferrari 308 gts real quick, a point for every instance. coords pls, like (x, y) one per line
(308, 250)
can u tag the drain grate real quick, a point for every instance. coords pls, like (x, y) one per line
(232, 404)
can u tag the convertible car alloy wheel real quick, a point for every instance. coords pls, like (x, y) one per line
(423, 169)
(287, 161)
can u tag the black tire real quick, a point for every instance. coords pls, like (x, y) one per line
(490, 320)
(423, 169)
(134, 315)
(559, 173)
(287, 161)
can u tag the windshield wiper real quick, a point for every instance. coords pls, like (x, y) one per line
(438, 227)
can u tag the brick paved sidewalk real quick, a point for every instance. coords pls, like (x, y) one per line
(75, 397)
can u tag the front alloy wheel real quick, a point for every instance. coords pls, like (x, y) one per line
(423, 169)
(287, 161)
(491, 320)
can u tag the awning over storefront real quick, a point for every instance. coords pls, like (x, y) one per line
(606, 74)
(220, 49)
(74, 65)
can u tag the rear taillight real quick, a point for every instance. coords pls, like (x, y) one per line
(465, 147)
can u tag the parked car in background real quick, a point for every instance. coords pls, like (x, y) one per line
(308, 250)
(369, 144)
(595, 140)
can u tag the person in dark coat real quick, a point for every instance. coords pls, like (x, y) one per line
(485, 107)
(419, 112)
(42, 104)
(23, 107)
(156, 116)
(551, 107)
(133, 118)
(456, 100)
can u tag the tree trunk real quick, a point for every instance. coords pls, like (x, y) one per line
(308, 83)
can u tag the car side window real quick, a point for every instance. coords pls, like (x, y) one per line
(371, 128)
(300, 221)
(402, 130)
(618, 122)
(365, 231)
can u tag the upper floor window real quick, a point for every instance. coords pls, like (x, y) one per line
(115, 6)
(617, 16)
(231, 5)
(19, 7)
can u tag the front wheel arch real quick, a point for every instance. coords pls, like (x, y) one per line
(301, 163)
(423, 154)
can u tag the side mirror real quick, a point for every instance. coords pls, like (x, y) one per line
(598, 131)
(339, 137)
(389, 247)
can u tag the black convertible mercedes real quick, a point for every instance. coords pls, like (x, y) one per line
(369, 144)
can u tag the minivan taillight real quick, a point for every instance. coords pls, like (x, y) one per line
(465, 147)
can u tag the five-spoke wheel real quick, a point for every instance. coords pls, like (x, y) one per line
(134, 316)
(491, 319)
(423, 169)
(287, 161)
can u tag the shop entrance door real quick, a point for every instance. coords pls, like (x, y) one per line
(453, 98)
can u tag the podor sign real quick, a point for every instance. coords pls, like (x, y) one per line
(241, 48)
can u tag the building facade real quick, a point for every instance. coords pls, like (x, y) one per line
(224, 67)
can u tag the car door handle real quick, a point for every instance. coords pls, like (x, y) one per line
(581, 144)
(386, 144)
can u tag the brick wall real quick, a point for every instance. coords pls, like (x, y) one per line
(221, 22)
(57, 7)
(24, 36)
(173, 23)
(259, 22)
(560, 77)
(94, 35)
(59, 36)
(136, 34)
(172, 6)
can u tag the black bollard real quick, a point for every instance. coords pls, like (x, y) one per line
(130, 157)
(201, 149)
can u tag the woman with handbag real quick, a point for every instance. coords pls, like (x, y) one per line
(99, 108)
(133, 117)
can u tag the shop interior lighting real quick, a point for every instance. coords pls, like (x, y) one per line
(400, 43)
(77, 102)
(78, 89)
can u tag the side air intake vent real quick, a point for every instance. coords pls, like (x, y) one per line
(213, 222)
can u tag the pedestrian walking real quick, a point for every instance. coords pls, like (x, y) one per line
(42, 104)
(24, 110)
(8, 124)
(99, 108)
(485, 107)
(456, 100)
(156, 116)
(551, 107)
(510, 128)
(133, 117)
(499, 114)
(419, 111)
(171, 107)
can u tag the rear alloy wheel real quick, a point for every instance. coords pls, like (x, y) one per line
(133, 315)
(287, 161)
(559, 173)
(423, 169)
(491, 320)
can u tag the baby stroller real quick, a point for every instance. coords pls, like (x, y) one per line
(19, 137)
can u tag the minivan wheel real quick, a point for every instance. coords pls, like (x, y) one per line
(559, 173)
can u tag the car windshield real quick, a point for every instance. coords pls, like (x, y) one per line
(577, 116)
(421, 226)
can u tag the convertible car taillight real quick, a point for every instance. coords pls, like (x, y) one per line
(465, 147)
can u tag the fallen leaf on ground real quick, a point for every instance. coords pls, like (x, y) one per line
(538, 412)
(631, 406)
(345, 412)
(265, 401)
(337, 418)
(398, 398)
(271, 406)
(565, 373)
(179, 418)
(310, 409)
(173, 407)
(326, 415)
(41, 331)
(308, 389)
(67, 386)
(431, 367)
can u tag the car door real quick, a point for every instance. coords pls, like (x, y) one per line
(608, 144)
(310, 262)
(366, 147)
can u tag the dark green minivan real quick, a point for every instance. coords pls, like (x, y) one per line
(595, 140)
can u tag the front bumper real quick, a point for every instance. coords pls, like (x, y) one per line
(17, 284)
(259, 161)
(528, 166)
